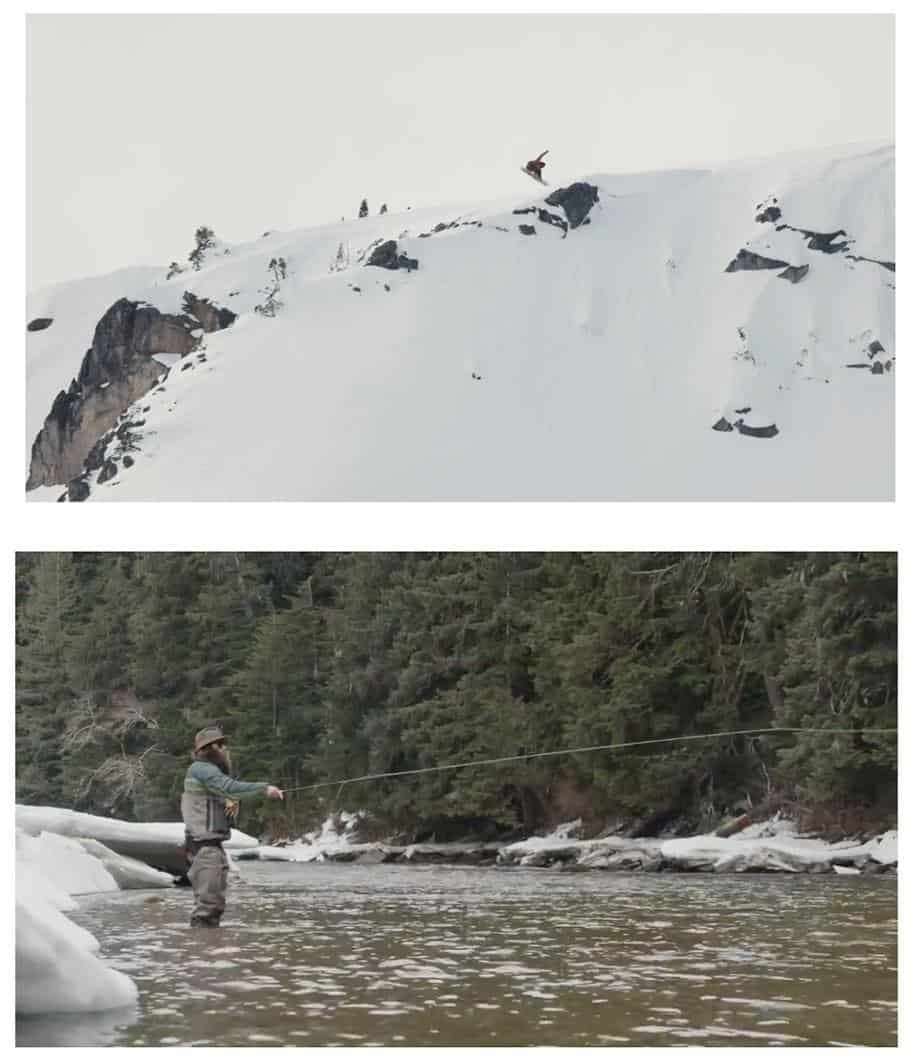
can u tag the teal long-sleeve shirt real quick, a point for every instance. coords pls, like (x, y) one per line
(207, 788)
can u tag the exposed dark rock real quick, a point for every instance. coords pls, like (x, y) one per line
(889, 265)
(822, 241)
(552, 219)
(722, 425)
(118, 368)
(875, 348)
(877, 368)
(96, 456)
(527, 230)
(128, 460)
(756, 432)
(747, 259)
(795, 273)
(39, 323)
(525, 209)
(207, 315)
(743, 411)
(109, 470)
(187, 365)
(387, 256)
(77, 490)
(576, 200)
(771, 213)
(860, 364)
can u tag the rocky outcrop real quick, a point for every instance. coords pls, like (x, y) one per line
(549, 218)
(822, 241)
(209, 316)
(756, 432)
(738, 425)
(747, 259)
(526, 230)
(119, 367)
(769, 214)
(576, 200)
(794, 273)
(388, 256)
(39, 323)
(889, 265)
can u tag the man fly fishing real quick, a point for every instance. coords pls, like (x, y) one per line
(209, 801)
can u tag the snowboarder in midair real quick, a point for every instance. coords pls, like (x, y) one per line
(536, 165)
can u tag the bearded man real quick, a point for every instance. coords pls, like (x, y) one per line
(209, 801)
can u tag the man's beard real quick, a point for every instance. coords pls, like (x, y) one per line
(221, 759)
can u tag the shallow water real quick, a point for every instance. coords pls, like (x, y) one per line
(379, 955)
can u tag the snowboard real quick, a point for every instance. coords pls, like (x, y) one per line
(539, 180)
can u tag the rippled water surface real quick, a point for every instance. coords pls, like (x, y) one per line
(379, 955)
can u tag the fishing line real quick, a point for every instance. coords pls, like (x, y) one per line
(568, 751)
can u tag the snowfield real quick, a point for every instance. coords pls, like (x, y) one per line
(587, 364)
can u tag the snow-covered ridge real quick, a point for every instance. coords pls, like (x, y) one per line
(524, 357)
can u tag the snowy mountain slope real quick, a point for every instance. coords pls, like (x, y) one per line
(528, 363)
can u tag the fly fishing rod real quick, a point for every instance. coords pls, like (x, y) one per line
(572, 751)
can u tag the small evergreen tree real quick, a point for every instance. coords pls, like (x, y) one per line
(363, 211)
(277, 267)
(383, 208)
(174, 269)
(204, 240)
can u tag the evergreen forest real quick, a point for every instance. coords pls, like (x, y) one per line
(322, 667)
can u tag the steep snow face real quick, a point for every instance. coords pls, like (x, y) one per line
(530, 363)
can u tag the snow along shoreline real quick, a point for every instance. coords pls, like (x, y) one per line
(769, 846)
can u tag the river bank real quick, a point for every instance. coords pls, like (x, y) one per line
(769, 846)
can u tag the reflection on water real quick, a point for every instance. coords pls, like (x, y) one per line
(355, 955)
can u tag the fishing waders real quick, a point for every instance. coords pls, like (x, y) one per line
(208, 875)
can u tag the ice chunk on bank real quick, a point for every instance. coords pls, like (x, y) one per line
(56, 968)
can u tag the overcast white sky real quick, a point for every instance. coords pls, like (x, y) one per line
(143, 127)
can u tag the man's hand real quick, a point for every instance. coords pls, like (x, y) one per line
(274, 793)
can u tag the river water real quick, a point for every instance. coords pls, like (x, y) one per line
(413, 955)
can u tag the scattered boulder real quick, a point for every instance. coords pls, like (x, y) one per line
(109, 471)
(576, 200)
(722, 425)
(771, 213)
(527, 230)
(77, 490)
(552, 219)
(795, 273)
(756, 432)
(387, 256)
(39, 323)
(128, 460)
(747, 259)
(874, 348)
(877, 368)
